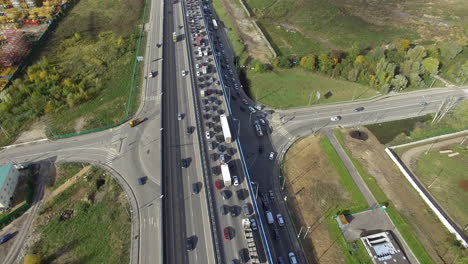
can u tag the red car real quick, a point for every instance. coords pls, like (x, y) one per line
(218, 185)
(227, 234)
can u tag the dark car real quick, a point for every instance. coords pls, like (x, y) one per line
(5, 238)
(189, 243)
(280, 260)
(260, 149)
(271, 194)
(226, 195)
(234, 212)
(276, 234)
(190, 129)
(141, 180)
(185, 163)
(359, 109)
(195, 188)
(225, 209)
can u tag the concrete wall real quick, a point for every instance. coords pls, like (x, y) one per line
(443, 217)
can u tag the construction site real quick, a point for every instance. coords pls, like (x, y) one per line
(21, 23)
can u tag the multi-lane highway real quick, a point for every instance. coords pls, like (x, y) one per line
(131, 153)
(186, 222)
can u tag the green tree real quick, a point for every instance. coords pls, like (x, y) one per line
(450, 50)
(77, 36)
(360, 60)
(385, 71)
(281, 62)
(399, 82)
(433, 51)
(308, 62)
(417, 53)
(402, 44)
(325, 62)
(261, 67)
(431, 65)
(415, 80)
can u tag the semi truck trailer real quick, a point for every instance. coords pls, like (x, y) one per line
(225, 127)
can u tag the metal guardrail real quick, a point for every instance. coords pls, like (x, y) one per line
(201, 140)
(246, 171)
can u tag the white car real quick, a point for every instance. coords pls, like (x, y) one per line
(184, 73)
(197, 65)
(253, 224)
(207, 134)
(272, 156)
(335, 118)
(235, 180)
(252, 110)
(292, 258)
(258, 107)
(179, 116)
(198, 74)
(280, 219)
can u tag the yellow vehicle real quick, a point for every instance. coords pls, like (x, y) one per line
(136, 122)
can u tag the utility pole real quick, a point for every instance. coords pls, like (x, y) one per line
(308, 228)
(310, 97)
(300, 231)
(4, 132)
(461, 143)
(430, 147)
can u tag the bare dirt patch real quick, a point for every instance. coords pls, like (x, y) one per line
(35, 132)
(427, 228)
(464, 185)
(433, 20)
(79, 124)
(255, 45)
(314, 192)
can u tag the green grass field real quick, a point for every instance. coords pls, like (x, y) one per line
(320, 25)
(346, 180)
(87, 71)
(65, 171)
(99, 230)
(292, 88)
(447, 178)
(109, 107)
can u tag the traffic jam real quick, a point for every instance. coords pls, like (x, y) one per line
(233, 205)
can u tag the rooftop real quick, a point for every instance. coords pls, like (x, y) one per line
(4, 172)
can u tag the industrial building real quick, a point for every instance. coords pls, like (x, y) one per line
(8, 180)
(384, 249)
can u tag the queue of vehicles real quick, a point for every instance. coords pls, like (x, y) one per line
(217, 130)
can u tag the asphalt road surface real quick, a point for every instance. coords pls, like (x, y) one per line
(131, 153)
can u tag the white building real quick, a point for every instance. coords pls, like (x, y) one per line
(8, 179)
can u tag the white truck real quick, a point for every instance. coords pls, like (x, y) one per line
(226, 174)
(215, 24)
(226, 130)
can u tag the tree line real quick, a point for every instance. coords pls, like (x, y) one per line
(392, 67)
